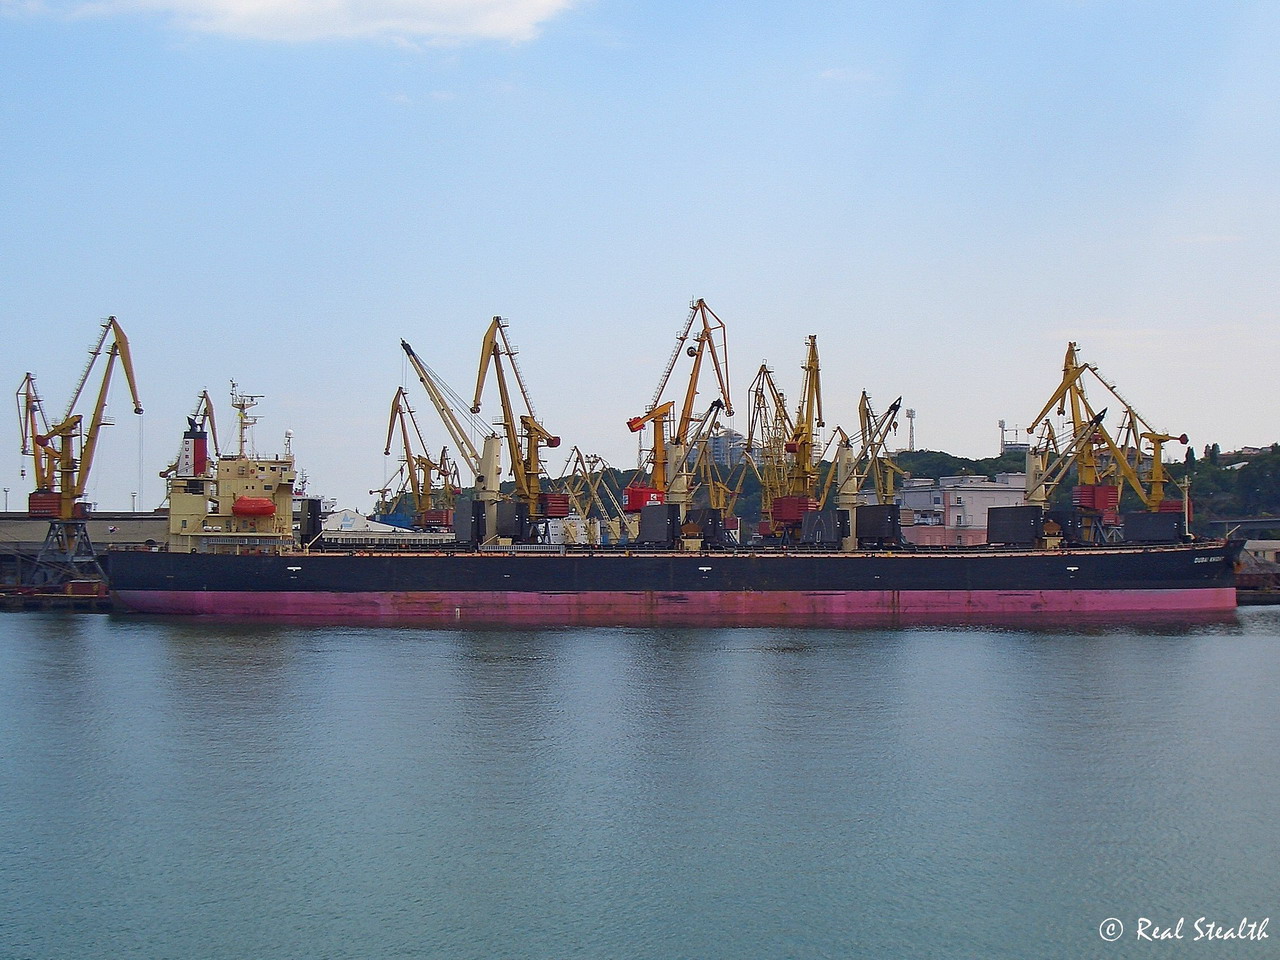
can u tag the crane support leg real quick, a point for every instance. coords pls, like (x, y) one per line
(66, 554)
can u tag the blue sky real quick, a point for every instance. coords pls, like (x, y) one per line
(945, 193)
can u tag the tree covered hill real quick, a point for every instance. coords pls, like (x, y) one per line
(1232, 486)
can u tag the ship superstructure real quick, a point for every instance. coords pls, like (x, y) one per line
(238, 503)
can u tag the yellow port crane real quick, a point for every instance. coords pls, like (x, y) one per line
(722, 491)
(584, 480)
(483, 463)
(872, 461)
(769, 427)
(526, 463)
(803, 478)
(659, 416)
(786, 463)
(62, 456)
(1104, 464)
(427, 484)
(671, 462)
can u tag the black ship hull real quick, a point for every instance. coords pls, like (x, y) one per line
(635, 587)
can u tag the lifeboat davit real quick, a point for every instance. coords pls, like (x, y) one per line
(253, 507)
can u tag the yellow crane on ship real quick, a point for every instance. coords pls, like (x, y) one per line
(62, 455)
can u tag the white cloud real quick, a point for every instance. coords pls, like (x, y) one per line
(440, 21)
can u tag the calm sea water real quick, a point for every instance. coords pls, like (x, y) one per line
(180, 789)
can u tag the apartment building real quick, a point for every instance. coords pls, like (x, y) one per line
(952, 511)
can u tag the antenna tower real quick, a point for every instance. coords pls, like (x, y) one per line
(243, 402)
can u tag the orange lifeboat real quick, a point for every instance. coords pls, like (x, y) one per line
(253, 507)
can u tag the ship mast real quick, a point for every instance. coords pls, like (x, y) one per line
(243, 402)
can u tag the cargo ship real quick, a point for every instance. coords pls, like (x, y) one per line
(621, 586)
(234, 549)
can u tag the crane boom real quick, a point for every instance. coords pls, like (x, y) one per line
(483, 463)
(436, 391)
(804, 472)
(658, 416)
(35, 425)
(418, 468)
(769, 427)
(711, 334)
(787, 464)
(871, 461)
(119, 349)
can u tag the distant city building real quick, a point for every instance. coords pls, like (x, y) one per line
(952, 511)
(727, 447)
(1010, 440)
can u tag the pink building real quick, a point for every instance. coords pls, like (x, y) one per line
(952, 511)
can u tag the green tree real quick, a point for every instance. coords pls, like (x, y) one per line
(1258, 485)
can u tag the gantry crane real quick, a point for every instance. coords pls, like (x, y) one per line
(1104, 464)
(526, 463)
(62, 456)
(673, 436)
(483, 463)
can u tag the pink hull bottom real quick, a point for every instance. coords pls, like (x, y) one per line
(741, 608)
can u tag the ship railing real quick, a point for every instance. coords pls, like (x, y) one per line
(552, 548)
